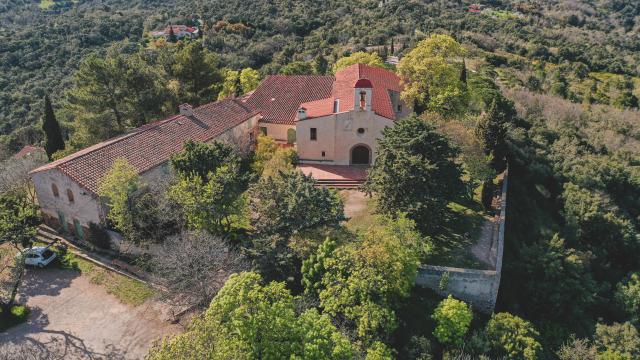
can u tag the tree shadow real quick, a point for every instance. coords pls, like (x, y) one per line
(47, 281)
(19, 343)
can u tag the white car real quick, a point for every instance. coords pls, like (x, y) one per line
(39, 256)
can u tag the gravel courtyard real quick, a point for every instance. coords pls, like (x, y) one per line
(72, 318)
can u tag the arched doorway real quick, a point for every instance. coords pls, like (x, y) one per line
(360, 155)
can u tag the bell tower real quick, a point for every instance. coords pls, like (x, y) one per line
(362, 95)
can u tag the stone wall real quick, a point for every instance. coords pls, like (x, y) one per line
(477, 287)
(84, 209)
(86, 206)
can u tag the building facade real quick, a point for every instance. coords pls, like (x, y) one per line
(331, 120)
(67, 189)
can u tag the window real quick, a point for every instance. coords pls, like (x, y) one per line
(54, 189)
(399, 107)
(360, 131)
(314, 134)
(323, 154)
(336, 105)
(363, 100)
(263, 130)
(70, 195)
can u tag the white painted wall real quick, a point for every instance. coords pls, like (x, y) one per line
(277, 131)
(337, 135)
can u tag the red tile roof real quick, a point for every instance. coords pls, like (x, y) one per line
(179, 28)
(381, 81)
(278, 97)
(151, 145)
(29, 150)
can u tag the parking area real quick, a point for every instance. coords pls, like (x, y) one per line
(73, 318)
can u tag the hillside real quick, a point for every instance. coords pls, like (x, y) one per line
(42, 43)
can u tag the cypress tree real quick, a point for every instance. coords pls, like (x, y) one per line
(320, 65)
(51, 128)
(393, 48)
(463, 73)
(172, 35)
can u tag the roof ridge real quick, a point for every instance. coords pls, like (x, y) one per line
(95, 147)
(131, 133)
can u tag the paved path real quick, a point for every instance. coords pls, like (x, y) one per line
(72, 318)
(355, 202)
(482, 249)
(334, 172)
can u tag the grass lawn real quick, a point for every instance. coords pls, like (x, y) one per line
(452, 246)
(363, 217)
(127, 290)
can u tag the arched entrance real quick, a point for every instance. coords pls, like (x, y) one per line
(360, 155)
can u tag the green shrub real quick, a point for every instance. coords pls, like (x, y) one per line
(496, 60)
(99, 237)
(513, 337)
(488, 188)
(453, 318)
(18, 314)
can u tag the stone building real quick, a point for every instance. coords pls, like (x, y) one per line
(330, 120)
(67, 189)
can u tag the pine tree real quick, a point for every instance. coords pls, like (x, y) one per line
(51, 128)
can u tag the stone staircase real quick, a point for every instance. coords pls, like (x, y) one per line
(107, 261)
(48, 234)
(345, 184)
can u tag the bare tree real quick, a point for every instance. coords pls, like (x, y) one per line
(193, 266)
(11, 274)
(14, 175)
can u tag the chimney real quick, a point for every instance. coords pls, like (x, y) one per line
(302, 113)
(186, 110)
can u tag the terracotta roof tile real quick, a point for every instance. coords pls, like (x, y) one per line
(381, 81)
(279, 96)
(151, 145)
(30, 150)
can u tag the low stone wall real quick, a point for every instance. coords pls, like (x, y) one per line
(477, 287)
(473, 286)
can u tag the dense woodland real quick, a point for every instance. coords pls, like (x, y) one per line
(548, 88)
(42, 44)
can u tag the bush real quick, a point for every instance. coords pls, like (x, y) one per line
(99, 237)
(18, 314)
(513, 337)
(453, 318)
(488, 188)
(496, 60)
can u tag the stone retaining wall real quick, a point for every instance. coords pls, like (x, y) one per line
(477, 287)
